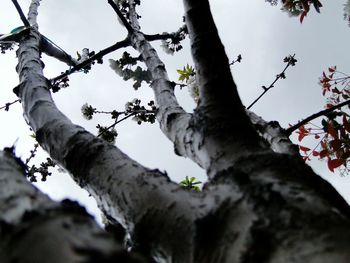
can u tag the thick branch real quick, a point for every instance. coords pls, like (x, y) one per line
(221, 116)
(273, 133)
(162, 36)
(51, 49)
(175, 123)
(291, 129)
(97, 56)
(125, 190)
(121, 16)
(217, 88)
(21, 14)
(47, 228)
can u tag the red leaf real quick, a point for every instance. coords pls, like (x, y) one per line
(323, 153)
(331, 69)
(332, 131)
(302, 16)
(301, 136)
(302, 133)
(304, 149)
(335, 90)
(332, 164)
(315, 153)
(335, 144)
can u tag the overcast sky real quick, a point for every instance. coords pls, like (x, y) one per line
(262, 34)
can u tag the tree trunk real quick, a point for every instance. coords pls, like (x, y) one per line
(35, 229)
(262, 203)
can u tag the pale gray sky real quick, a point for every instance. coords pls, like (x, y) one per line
(262, 34)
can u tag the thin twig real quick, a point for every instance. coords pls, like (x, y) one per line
(32, 154)
(7, 105)
(271, 85)
(116, 122)
(238, 59)
(121, 16)
(21, 14)
(99, 55)
(162, 36)
(123, 119)
(314, 116)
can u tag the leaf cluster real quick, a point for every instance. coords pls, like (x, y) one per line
(298, 7)
(85, 55)
(133, 109)
(190, 183)
(124, 6)
(124, 68)
(173, 44)
(6, 46)
(106, 133)
(187, 72)
(60, 84)
(141, 113)
(333, 134)
(43, 170)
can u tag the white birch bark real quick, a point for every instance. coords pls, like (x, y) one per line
(35, 229)
(108, 174)
(261, 204)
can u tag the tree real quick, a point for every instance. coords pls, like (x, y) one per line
(262, 203)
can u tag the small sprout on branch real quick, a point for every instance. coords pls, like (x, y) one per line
(60, 84)
(6, 46)
(190, 184)
(115, 115)
(6, 107)
(88, 111)
(106, 133)
(282, 75)
(290, 60)
(43, 169)
(238, 59)
(85, 55)
(188, 75)
(140, 113)
(186, 72)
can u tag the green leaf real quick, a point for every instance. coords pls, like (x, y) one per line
(186, 73)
